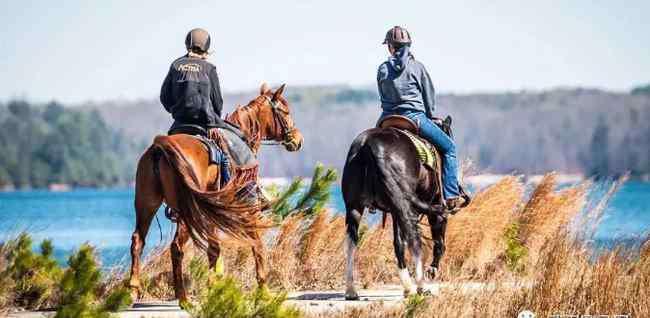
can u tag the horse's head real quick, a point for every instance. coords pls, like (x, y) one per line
(277, 116)
(268, 118)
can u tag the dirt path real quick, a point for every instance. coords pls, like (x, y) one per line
(307, 301)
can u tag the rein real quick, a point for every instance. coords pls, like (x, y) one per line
(278, 120)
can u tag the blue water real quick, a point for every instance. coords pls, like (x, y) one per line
(105, 218)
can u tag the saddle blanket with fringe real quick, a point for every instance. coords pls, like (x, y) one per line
(424, 152)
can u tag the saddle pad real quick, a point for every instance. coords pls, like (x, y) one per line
(425, 154)
(217, 157)
(241, 153)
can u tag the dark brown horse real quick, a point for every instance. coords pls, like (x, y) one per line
(176, 170)
(383, 172)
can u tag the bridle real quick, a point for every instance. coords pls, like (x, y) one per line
(278, 120)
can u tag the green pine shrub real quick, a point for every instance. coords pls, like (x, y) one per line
(6, 292)
(414, 305)
(515, 251)
(117, 300)
(80, 285)
(225, 298)
(29, 279)
(35, 281)
(283, 205)
(318, 194)
(200, 275)
(310, 202)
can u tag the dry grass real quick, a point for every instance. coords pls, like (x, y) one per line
(548, 211)
(302, 253)
(475, 235)
(564, 275)
(561, 274)
(565, 281)
(308, 253)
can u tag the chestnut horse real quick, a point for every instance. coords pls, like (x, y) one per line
(175, 170)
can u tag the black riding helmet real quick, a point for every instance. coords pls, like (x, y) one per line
(397, 36)
(198, 40)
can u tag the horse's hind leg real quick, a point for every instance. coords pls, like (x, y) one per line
(400, 245)
(148, 199)
(438, 225)
(259, 253)
(144, 217)
(352, 220)
(177, 253)
(214, 252)
(416, 252)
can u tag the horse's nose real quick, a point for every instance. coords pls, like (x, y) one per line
(296, 142)
(299, 145)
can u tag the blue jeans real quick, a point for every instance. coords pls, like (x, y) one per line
(444, 144)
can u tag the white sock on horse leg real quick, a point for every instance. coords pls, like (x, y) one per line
(419, 272)
(407, 282)
(349, 268)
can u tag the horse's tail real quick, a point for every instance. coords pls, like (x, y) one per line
(405, 216)
(382, 184)
(203, 211)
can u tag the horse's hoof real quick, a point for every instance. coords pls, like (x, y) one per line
(135, 292)
(409, 292)
(135, 295)
(262, 287)
(431, 272)
(184, 304)
(351, 295)
(424, 292)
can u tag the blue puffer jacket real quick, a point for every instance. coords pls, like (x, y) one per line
(405, 85)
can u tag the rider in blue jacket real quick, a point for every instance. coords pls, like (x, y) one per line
(405, 89)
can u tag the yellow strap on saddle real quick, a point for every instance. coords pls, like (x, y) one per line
(425, 154)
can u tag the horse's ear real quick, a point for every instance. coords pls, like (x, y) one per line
(279, 92)
(264, 88)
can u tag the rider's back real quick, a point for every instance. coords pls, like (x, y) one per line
(191, 92)
(404, 85)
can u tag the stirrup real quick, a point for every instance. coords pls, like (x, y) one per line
(171, 214)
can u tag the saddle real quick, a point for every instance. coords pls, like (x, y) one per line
(427, 153)
(226, 147)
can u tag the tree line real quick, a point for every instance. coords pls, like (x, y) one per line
(588, 131)
(569, 130)
(47, 144)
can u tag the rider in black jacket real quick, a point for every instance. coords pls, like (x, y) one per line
(191, 91)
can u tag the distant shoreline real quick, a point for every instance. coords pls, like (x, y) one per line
(480, 180)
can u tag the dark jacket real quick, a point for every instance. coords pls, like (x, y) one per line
(191, 92)
(405, 85)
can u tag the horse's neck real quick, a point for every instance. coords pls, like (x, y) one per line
(246, 117)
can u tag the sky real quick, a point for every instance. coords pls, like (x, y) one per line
(76, 50)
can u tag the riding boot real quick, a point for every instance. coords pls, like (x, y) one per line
(263, 199)
(455, 204)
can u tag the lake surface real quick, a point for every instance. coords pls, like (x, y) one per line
(105, 218)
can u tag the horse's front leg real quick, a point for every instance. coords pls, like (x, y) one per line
(438, 225)
(177, 253)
